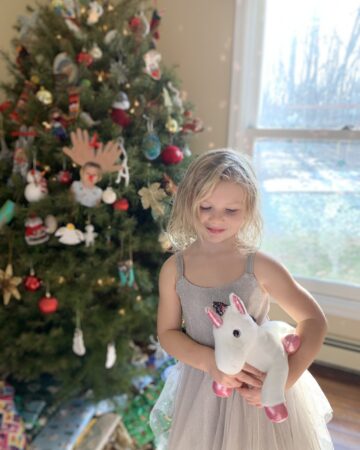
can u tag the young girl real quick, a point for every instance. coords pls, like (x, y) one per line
(215, 224)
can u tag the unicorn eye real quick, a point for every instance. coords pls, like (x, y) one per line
(236, 333)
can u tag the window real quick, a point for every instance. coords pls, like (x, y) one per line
(296, 109)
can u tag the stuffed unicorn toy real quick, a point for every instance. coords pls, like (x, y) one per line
(239, 340)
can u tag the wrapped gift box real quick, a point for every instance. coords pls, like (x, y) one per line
(103, 431)
(136, 416)
(12, 430)
(65, 427)
(30, 412)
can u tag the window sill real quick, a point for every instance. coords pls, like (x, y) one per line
(336, 299)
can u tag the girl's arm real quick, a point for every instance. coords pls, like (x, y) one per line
(300, 305)
(176, 342)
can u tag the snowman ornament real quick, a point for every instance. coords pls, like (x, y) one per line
(95, 12)
(36, 189)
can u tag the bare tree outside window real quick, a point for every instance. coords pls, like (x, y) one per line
(311, 187)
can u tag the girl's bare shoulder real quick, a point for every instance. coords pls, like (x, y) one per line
(169, 266)
(266, 267)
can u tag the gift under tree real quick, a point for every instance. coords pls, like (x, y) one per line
(94, 134)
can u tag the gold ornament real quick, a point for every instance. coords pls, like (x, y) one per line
(57, 4)
(164, 241)
(171, 125)
(151, 197)
(44, 96)
(35, 79)
(8, 284)
(101, 76)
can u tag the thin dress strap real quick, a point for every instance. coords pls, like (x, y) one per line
(179, 264)
(250, 263)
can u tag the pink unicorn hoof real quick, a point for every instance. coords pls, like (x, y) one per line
(221, 390)
(277, 413)
(291, 343)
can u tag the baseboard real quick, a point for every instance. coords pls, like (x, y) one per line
(341, 357)
(335, 373)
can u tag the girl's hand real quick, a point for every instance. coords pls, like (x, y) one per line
(251, 376)
(251, 395)
(229, 381)
(252, 383)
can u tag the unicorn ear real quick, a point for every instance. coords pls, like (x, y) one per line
(215, 319)
(237, 303)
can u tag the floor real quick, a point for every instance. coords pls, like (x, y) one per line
(343, 392)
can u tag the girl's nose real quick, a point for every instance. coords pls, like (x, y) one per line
(217, 215)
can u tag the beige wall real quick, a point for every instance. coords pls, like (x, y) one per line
(8, 17)
(196, 36)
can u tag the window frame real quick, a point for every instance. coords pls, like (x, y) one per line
(338, 298)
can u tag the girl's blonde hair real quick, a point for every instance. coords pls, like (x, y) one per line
(201, 177)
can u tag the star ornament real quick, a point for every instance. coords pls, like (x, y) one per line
(151, 197)
(8, 284)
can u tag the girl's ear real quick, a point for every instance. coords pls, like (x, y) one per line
(237, 303)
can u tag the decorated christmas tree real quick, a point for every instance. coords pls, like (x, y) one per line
(94, 134)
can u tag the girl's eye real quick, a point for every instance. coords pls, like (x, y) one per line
(231, 211)
(205, 208)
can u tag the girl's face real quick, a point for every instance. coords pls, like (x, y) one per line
(222, 213)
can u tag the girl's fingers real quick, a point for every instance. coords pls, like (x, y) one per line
(249, 400)
(249, 379)
(254, 371)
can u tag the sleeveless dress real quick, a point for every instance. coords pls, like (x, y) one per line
(189, 416)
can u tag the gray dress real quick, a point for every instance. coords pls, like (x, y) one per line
(202, 421)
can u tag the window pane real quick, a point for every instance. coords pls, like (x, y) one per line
(311, 206)
(311, 65)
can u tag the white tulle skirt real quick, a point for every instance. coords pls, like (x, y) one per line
(188, 416)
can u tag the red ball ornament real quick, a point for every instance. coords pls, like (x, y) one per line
(48, 304)
(85, 58)
(64, 177)
(135, 23)
(120, 117)
(121, 205)
(172, 155)
(32, 283)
